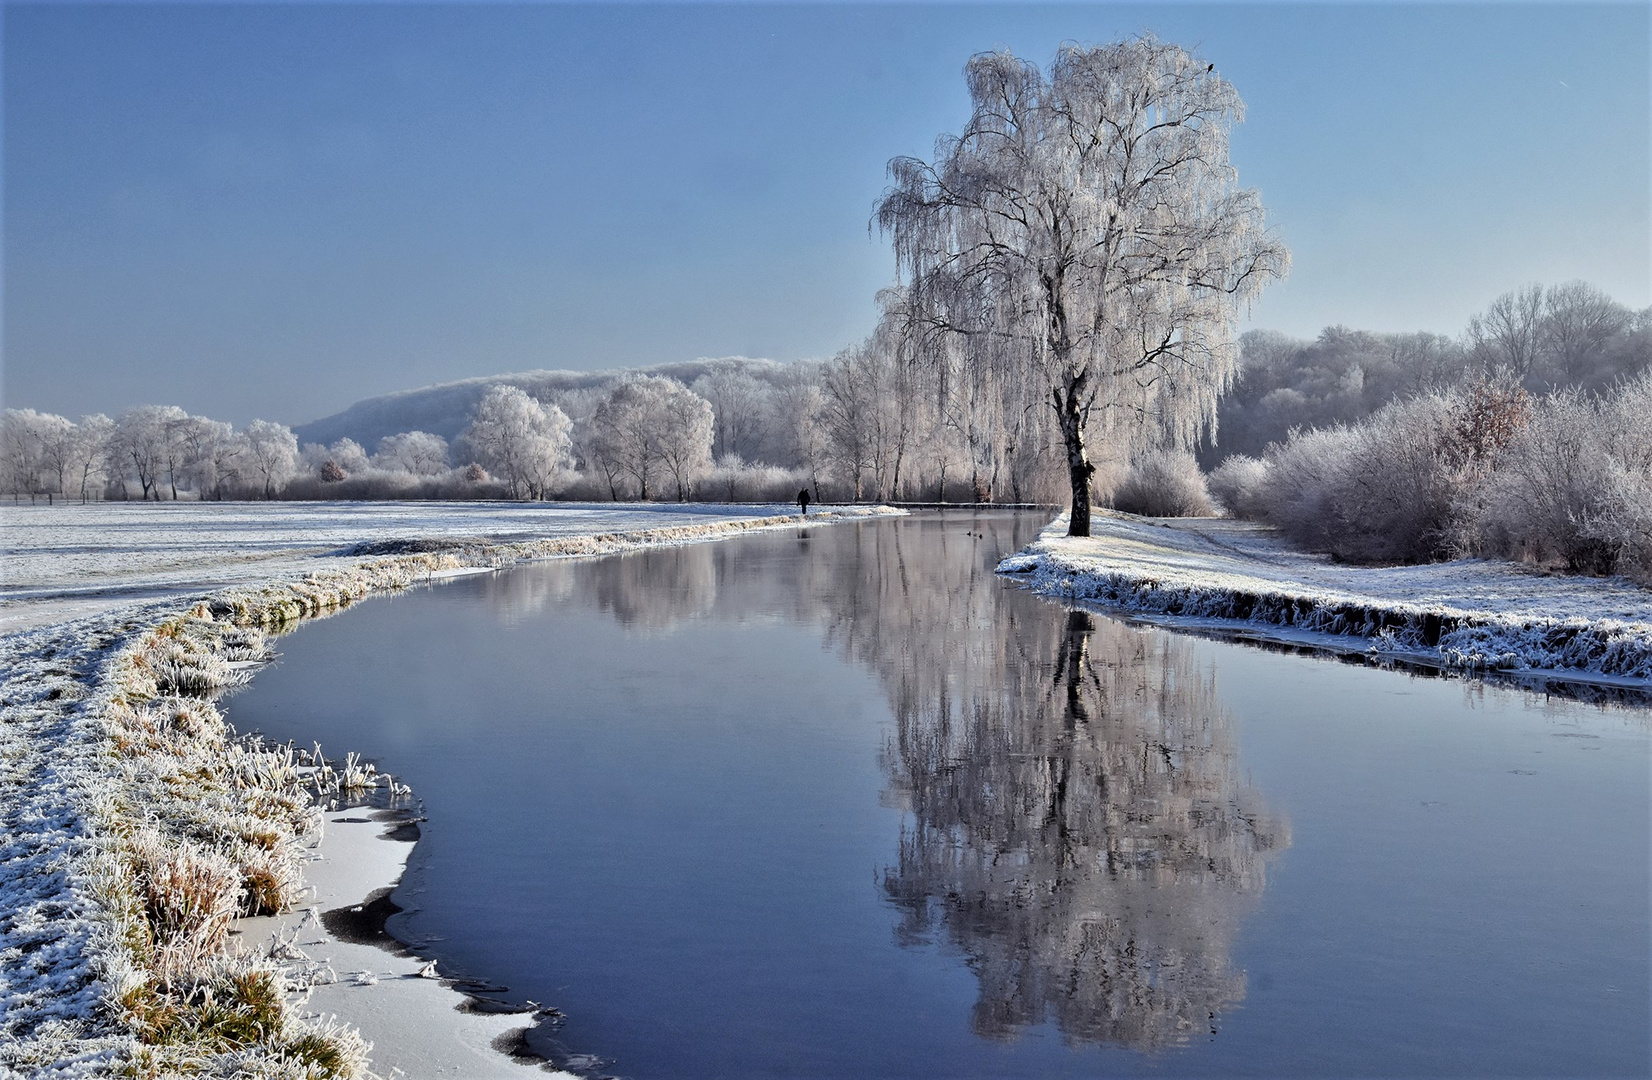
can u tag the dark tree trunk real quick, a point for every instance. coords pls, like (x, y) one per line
(1079, 469)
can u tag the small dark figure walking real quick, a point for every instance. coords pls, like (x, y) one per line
(803, 502)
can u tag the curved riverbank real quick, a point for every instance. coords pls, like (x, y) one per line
(1471, 616)
(137, 826)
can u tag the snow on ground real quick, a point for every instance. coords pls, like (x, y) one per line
(1469, 614)
(68, 561)
(50, 929)
(79, 583)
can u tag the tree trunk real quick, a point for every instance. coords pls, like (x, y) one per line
(1079, 469)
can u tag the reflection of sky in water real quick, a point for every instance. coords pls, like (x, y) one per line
(846, 805)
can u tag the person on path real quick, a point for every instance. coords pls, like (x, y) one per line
(803, 502)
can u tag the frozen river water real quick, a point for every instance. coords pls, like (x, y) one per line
(837, 802)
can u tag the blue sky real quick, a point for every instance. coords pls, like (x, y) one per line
(275, 210)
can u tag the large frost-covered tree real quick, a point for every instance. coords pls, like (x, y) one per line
(740, 406)
(520, 440)
(1086, 229)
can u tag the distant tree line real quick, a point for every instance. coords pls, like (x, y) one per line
(893, 417)
(1542, 338)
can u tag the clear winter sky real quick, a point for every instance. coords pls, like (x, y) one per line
(276, 210)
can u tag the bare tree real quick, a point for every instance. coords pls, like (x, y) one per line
(272, 453)
(1579, 322)
(1086, 229)
(416, 452)
(520, 441)
(1508, 334)
(651, 427)
(89, 450)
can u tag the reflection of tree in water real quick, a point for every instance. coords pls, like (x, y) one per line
(518, 596)
(646, 590)
(653, 590)
(1079, 829)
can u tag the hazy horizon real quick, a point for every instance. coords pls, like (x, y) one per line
(276, 211)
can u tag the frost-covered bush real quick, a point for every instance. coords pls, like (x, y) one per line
(1164, 483)
(1625, 517)
(1383, 490)
(1624, 523)
(416, 452)
(1576, 486)
(1302, 482)
(1548, 485)
(1237, 485)
(1476, 470)
(734, 480)
(377, 484)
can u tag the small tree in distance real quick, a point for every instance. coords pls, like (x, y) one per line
(272, 453)
(520, 441)
(652, 427)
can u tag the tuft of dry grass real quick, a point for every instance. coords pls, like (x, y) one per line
(207, 827)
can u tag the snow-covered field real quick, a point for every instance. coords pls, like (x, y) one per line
(1468, 614)
(67, 561)
(73, 560)
(85, 586)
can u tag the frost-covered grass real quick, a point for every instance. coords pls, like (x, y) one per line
(137, 826)
(1468, 614)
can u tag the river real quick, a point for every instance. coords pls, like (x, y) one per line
(838, 802)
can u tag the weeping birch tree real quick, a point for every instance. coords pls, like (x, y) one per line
(1085, 231)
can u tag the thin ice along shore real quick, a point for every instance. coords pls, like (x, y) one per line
(137, 827)
(1468, 615)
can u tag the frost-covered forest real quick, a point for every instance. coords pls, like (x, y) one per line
(1570, 335)
(869, 424)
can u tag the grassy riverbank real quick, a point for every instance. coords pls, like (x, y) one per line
(138, 827)
(1468, 615)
